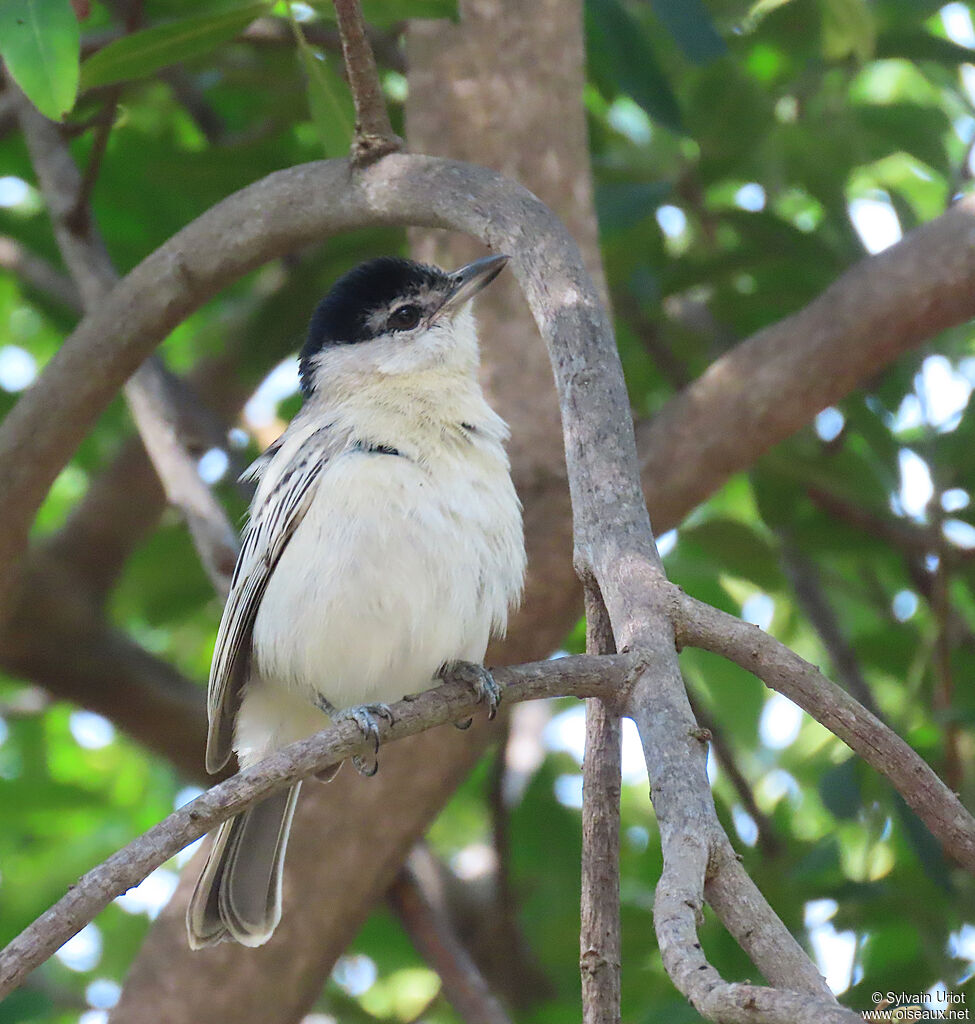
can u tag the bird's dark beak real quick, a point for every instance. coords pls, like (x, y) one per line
(469, 280)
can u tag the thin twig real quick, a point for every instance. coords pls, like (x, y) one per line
(428, 925)
(600, 951)
(944, 680)
(374, 136)
(581, 676)
(804, 578)
(78, 217)
(37, 273)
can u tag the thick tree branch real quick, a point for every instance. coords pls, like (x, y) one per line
(880, 308)
(700, 625)
(581, 676)
(374, 136)
(614, 546)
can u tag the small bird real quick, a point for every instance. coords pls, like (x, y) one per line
(383, 549)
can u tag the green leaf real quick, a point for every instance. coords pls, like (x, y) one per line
(144, 53)
(328, 101)
(689, 22)
(621, 53)
(40, 43)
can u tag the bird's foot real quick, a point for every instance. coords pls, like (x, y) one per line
(366, 718)
(481, 682)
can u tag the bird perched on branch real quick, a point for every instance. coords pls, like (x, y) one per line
(384, 548)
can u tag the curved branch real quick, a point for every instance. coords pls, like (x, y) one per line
(283, 211)
(581, 676)
(700, 625)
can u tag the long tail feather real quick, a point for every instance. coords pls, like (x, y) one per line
(238, 895)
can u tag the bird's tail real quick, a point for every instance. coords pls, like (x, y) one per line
(238, 895)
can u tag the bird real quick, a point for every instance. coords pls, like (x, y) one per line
(383, 549)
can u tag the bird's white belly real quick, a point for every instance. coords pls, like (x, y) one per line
(393, 571)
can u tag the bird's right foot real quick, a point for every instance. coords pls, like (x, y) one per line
(366, 717)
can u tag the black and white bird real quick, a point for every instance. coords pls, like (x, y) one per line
(384, 546)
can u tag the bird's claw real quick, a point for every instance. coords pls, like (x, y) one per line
(365, 717)
(481, 682)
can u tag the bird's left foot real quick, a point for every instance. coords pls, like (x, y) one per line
(480, 680)
(366, 718)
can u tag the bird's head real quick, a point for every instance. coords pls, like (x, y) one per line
(392, 316)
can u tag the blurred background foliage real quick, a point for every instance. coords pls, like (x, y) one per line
(744, 154)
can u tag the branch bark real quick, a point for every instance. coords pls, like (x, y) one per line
(374, 136)
(581, 676)
(600, 952)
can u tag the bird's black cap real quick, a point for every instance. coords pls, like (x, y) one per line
(342, 316)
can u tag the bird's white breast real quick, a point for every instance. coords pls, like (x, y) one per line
(397, 568)
(402, 562)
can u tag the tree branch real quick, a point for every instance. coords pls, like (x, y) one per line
(725, 757)
(37, 273)
(374, 136)
(428, 924)
(282, 212)
(600, 953)
(581, 676)
(880, 308)
(150, 392)
(700, 625)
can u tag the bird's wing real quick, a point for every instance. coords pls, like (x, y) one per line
(272, 524)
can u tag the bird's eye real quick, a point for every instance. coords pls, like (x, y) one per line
(404, 318)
